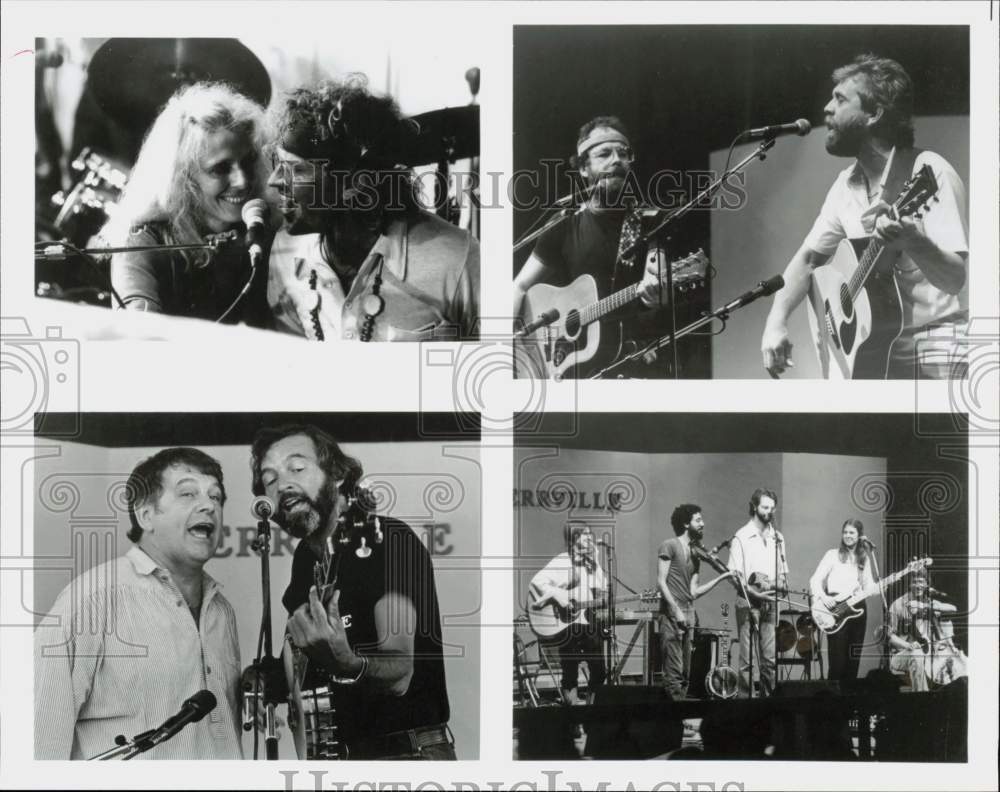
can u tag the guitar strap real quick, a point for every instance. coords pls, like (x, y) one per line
(631, 229)
(901, 169)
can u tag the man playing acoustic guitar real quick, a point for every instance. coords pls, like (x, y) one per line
(571, 578)
(916, 287)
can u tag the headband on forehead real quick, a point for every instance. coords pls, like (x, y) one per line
(598, 136)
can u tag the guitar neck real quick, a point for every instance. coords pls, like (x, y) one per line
(865, 266)
(596, 311)
(880, 586)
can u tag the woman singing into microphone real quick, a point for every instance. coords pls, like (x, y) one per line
(843, 570)
(200, 163)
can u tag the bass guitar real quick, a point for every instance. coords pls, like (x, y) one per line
(856, 311)
(549, 618)
(830, 620)
(563, 347)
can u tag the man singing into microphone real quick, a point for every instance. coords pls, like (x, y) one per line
(371, 265)
(757, 557)
(128, 642)
(591, 241)
(363, 649)
(677, 578)
(869, 118)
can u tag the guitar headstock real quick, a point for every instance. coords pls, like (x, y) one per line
(919, 563)
(691, 271)
(917, 193)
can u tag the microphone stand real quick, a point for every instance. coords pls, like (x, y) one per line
(267, 671)
(722, 313)
(883, 662)
(564, 212)
(611, 649)
(126, 749)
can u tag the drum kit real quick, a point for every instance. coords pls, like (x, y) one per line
(130, 80)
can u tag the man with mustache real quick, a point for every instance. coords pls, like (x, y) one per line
(869, 118)
(364, 623)
(589, 241)
(758, 552)
(372, 265)
(126, 643)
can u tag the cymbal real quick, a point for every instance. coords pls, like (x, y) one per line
(451, 133)
(132, 78)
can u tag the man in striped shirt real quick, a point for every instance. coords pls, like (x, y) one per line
(127, 642)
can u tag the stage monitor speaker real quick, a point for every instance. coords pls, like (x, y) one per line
(624, 736)
(807, 688)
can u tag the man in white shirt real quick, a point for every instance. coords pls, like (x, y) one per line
(757, 557)
(870, 118)
(129, 641)
(568, 581)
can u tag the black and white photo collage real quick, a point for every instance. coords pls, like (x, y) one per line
(688, 468)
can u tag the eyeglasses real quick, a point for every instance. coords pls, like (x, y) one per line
(604, 153)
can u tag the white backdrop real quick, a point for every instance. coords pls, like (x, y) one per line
(81, 521)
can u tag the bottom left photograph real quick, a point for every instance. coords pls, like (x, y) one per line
(252, 586)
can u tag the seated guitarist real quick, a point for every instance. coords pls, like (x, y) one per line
(590, 241)
(870, 118)
(910, 630)
(575, 576)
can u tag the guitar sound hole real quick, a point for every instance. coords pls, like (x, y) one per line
(572, 323)
(845, 301)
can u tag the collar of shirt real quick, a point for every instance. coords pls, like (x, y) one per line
(393, 247)
(145, 566)
(858, 181)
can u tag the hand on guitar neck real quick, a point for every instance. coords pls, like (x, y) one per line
(318, 631)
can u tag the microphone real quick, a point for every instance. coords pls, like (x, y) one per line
(254, 215)
(543, 320)
(603, 542)
(762, 289)
(867, 541)
(722, 545)
(192, 711)
(262, 507)
(801, 127)
(472, 78)
(937, 592)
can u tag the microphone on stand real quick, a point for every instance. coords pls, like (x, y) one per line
(867, 541)
(192, 711)
(722, 545)
(262, 507)
(542, 320)
(801, 127)
(762, 289)
(254, 215)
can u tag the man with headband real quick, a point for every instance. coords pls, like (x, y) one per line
(379, 267)
(590, 242)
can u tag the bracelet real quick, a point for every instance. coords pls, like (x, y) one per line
(352, 680)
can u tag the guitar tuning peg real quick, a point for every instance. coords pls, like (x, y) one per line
(917, 215)
(378, 531)
(364, 550)
(936, 199)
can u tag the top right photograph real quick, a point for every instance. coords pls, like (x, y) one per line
(741, 202)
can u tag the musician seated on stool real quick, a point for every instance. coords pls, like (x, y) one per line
(844, 570)
(869, 118)
(589, 241)
(370, 265)
(911, 630)
(364, 620)
(575, 576)
(757, 549)
(200, 163)
(677, 578)
(128, 642)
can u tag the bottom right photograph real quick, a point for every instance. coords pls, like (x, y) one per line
(741, 586)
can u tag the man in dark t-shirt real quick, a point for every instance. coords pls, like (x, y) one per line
(589, 241)
(677, 580)
(363, 645)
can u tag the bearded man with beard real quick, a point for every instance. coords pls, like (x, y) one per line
(758, 554)
(372, 264)
(364, 622)
(589, 241)
(870, 118)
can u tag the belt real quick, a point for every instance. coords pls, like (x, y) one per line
(407, 741)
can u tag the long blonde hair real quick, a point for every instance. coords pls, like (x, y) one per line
(163, 186)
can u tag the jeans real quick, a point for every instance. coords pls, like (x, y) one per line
(764, 664)
(843, 647)
(581, 642)
(675, 650)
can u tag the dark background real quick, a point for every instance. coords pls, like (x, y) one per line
(686, 90)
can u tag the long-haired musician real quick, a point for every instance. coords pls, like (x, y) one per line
(843, 570)
(200, 163)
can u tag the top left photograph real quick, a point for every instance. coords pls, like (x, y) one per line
(317, 192)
